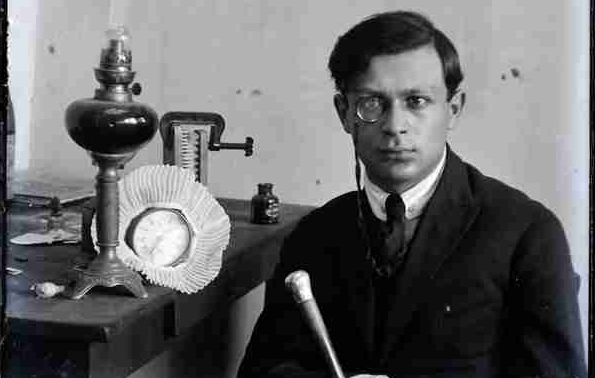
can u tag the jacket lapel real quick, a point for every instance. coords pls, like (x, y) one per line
(447, 217)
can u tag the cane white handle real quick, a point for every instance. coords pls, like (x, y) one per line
(298, 283)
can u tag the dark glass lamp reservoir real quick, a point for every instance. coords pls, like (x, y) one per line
(111, 122)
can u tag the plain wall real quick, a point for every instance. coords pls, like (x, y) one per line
(22, 31)
(262, 65)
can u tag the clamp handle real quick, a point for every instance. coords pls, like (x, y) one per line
(214, 120)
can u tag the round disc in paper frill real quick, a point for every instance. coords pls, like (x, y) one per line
(171, 228)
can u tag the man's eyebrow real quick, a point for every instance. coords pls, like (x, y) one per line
(419, 90)
(430, 89)
(364, 90)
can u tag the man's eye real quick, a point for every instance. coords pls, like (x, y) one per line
(370, 109)
(417, 103)
(372, 104)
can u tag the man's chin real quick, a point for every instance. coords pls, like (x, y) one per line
(401, 172)
(392, 181)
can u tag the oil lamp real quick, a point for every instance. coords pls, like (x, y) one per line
(111, 127)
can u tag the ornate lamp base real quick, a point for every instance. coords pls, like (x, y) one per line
(107, 272)
(107, 269)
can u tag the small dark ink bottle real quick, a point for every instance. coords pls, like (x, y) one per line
(264, 207)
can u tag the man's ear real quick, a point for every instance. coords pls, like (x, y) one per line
(341, 107)
(456, 104)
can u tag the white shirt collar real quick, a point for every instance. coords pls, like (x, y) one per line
(415, 198)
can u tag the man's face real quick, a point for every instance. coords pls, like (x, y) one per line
(407, 141)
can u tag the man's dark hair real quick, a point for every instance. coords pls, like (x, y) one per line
(391, 33)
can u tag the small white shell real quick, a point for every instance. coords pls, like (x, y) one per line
(174, 187)
(46, 289)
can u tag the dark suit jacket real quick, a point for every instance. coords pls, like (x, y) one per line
(487, 290)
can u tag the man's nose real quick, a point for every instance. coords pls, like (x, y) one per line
(397, 121)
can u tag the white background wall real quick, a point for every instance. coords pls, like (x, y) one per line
(262, 65)
(22, 16)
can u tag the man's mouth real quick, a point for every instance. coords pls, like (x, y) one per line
(399, 153)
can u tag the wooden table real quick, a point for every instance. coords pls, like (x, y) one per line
(109, 333)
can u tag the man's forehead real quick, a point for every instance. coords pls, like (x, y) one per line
(417, 70)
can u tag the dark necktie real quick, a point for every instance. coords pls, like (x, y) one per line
(392, 253)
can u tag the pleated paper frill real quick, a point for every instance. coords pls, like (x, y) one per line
(166, 186)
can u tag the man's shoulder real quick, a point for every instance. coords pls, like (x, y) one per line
(345, 202)
(493, 189)
(340, 208)
(496, 196)
(333, 222)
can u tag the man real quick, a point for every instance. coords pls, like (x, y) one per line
(456, 275)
